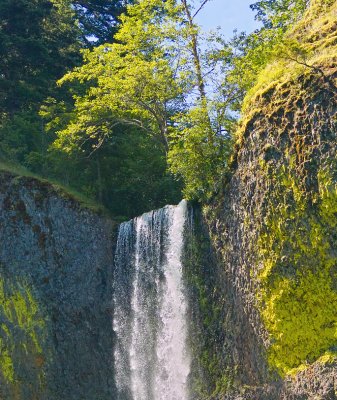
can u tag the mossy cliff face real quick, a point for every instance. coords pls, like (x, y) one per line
(222, 341)
(55, 295)
(275, 222)
(210, 352)
(23, 342)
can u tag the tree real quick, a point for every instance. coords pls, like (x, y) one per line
(128, 175)
(201, 163)
(147, 79)
(98, 19)
(199, 160)
(131, 82)
(200, 145)
(279, 13)
(246, 55)
(39, 41)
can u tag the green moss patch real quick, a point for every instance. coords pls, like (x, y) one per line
(23, 335)
(310, 48)
(213, 372)
(298, 297)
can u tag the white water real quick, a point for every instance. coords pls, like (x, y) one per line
(151, 358)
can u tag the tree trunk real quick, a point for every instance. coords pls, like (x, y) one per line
(197, 62)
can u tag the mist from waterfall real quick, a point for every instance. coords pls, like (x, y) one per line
(151, 356)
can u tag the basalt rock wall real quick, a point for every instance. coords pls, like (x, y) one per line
(274, 233)
(260, 260)
(56, 262)
(273, 226)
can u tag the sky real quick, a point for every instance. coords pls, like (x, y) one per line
(229, 14)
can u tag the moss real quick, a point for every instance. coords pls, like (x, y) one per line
(310, 48)
(298, 296)
(23, 335)
(287, 142)
(300, 315)
(212, 374)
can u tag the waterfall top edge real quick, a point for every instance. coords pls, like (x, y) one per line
(182, 203)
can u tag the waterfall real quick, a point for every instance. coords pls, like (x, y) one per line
(151, 358)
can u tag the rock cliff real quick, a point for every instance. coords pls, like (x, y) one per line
(273, 224)
(55, 289)
(260, 261)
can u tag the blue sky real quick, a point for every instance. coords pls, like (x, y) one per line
(229, 14)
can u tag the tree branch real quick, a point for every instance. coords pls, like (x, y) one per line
(200, 8)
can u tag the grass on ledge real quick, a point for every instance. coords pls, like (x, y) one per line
(62, 190)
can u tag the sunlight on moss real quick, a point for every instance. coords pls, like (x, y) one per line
(298, 298)
(312, 43)
(300, 314)
(296, 248)
(22, 338)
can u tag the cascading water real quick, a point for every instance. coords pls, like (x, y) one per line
(151, 358)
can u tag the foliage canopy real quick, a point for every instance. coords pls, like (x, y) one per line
(156, 77)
